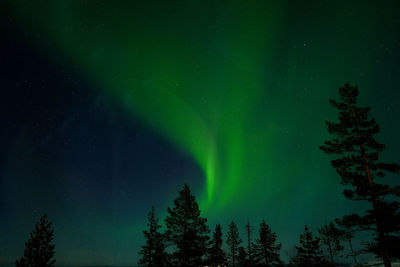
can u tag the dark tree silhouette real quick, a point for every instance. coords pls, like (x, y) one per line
(249, 230)
(216, 256)
(187, 231)
(309, 252)
(153, 252)
(359, 167)
(39, 249)
(242, 258)
(233, 241)
(266, 249)
(331, 238)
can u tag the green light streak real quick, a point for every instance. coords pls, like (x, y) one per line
(221, 81)
(164, 78)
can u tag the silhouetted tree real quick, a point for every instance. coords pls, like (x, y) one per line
(242, 258)
(359, 167)
(233, 241)
(216, 256)
(39, 249)
(249, 229)
(187, 231)
(330, 237)
(266, 249)
(153, 252)
(309, 252)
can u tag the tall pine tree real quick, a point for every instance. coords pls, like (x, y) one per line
(217, 255)
(153, 252)
(309, 252)
(39, 249)
(266, 249)
(187, 230)
(249, 230)
(359, 168)
(233, 241)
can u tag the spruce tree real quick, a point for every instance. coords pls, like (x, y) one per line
(187, 230)
(359, 167)
(309, 252)
(39, 249)
(242, 258)
(233, 241)
(249, 230)
(217, 256)
(153, 252)
(330, 237)
(266, 249)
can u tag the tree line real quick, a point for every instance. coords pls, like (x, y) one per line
(186, 240)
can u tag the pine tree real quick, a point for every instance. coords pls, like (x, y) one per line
(242, 258)
(330, 237)
(233, 241)
(249, 243)
(217, 256)
(187, 231)
(309, 252)
(359, 168)
(266, 249)
(39, 250)
(153, 252)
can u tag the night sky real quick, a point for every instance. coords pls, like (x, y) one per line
(109, 107)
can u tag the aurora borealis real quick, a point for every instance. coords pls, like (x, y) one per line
(109, 107)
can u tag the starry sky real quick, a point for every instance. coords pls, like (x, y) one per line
(109, 107)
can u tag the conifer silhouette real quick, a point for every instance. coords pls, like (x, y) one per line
(249, 230)
(359, 167)
(39, 249)
(266, 248)
(187, 230)
(153, 252)
(309, 252)
(233, 241)
(217, 256)
(242, 258)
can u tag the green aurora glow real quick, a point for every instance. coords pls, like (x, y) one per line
(166, 79)
(201, 76)
(241, 86)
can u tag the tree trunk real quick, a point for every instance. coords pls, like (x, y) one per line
(249, 243)
(330, 253)
(352, 251)
(385, 256)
